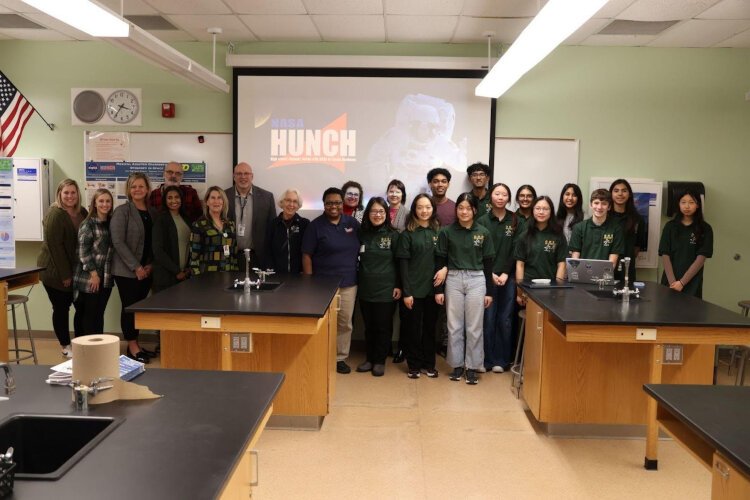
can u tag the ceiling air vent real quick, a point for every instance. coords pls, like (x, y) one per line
(151, 23)
(624, 27)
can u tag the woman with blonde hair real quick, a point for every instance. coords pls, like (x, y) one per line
(213, 238)
(58, 257)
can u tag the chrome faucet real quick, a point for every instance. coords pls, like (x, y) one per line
(81, 392)
(246, 283)
(10, 382)
(262, 275)
(626, 292)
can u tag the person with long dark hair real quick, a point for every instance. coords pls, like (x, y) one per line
(498, 317)
(378, 283)
(686, 242)
(466, 248)
(541, 249)
(570, 208)
(416, 255)
(171, 237)
(633, 227)
(525, 196)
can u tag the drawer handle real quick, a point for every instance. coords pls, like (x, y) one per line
(723, 470)
(539, 321)
(255, 454)
(338, 302)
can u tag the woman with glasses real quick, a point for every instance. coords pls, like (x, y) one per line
(329, 248)
(378, 284)
(285, 235)
(466, 248)
(541, 249)
(353, 203)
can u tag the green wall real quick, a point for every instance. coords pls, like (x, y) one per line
(666, 114)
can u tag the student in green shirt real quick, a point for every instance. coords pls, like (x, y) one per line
(466, 248)
(525, 196)
(378, 283)
(633, 228)
(416, 256)
(570, 208)
(541, 249)
(599, 237)
(686, 242)
(498, 318)
(479, 176)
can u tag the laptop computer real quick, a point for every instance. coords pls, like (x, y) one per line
(590, 270)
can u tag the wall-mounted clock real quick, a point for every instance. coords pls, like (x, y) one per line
(123, 106)
(106, 106)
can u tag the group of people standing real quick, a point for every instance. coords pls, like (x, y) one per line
(444, 265)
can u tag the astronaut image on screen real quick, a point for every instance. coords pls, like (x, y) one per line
(421, 139)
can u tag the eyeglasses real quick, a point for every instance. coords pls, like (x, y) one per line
(333, 203)
(478, 174)
(291, 200)
(541, 209)
(525, 196)
(377, 212)
(352, 195)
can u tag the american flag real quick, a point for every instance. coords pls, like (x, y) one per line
(15, 111)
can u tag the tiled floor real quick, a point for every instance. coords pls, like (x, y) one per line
(393, 437)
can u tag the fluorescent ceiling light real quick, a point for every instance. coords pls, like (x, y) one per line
(557, 20)
(83, 15)
(149, 48)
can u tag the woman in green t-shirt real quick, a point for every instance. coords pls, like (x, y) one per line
(623, 210)
(378, 283)
(686, 242)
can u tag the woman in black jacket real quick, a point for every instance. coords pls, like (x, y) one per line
(171, 242)
(285, 235)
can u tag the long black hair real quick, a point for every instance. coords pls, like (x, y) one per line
(552, 223)
(514, 217)
(562, 211)
(413, 221)
(697, 216)
(366, 224)
(631, 214)
(177, 190)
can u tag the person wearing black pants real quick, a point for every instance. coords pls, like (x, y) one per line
(131, 229)
(94, 304)
(378, 284)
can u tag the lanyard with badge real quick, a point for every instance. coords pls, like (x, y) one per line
(241, 225)
(225, 236)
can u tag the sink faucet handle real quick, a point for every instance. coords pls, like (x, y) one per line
(10, 381)
(7, 457)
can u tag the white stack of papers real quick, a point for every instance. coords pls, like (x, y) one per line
(62, 374)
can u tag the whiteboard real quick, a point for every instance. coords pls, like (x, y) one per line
(215, 151)
(546, 164)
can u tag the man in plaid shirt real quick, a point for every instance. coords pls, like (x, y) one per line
(191, 202)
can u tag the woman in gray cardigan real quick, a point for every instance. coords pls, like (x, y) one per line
(131, 230)
(58, 257)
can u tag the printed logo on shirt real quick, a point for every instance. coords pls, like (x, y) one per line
(693, 239)
(550, 246)
(348, 229)
(478, 240)
(508, 230)
(434, 241)
(607, 239)
(294, 229)
(385, 243)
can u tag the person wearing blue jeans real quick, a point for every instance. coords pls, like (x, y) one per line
(498, 317)
(467, 249)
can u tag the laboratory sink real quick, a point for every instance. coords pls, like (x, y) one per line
(263, 287)
(47, 446)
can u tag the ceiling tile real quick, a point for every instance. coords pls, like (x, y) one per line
(197, 26)
(36, 35)
(422, 29)
(258, 7)
(501, 8)
(613, 7)
(348, 7)
(189, 6)
(421, 7)
(665, 10)
(740, 40)
(470, 29)
(131, 7)
(590, 27)
(282, 28)
(351, 28)
(619, 40)
(728, 9)
(700, 33)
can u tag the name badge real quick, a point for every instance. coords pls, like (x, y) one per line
(361, 249)
(240, 230)
(226, 250)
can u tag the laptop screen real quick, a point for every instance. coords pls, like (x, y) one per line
(589, 270)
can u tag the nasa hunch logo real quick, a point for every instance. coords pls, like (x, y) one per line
(550, 246)
(508, 230)
(693, 239)
(478, 240)
(608, 239)
(385, 243)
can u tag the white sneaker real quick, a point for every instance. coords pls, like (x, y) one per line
(497, 369)
(482, 369)
(67, 352)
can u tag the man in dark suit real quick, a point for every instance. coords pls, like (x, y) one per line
(252, 209)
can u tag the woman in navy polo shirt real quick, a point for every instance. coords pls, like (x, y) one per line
(330, 247)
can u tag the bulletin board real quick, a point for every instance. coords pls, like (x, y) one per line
(546, 164)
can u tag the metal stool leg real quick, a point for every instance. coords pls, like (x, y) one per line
(15, 334)
(31, 337)
(516, 368)
(740, 378)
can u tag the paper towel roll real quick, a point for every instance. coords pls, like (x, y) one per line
(97, 356)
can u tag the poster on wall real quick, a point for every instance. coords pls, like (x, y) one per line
(114, 175)
(647, 195)
(107, 146)
(7, 238)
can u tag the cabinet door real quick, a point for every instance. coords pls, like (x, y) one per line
(532, 357)
(727, 482)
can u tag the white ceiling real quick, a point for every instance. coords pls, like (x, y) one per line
(699, 23)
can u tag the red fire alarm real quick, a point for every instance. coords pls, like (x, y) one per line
(167, 109)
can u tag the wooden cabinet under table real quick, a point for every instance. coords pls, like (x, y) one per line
(584, 362)
(292, 330)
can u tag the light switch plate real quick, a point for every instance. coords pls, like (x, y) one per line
(210, 322)
(645, 334)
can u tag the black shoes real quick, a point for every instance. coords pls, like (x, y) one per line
(431, 372)
(140, 356)
(471, 377)
(456, 374)
(150, 354)
(398, 357)
(414, 374)
(378, 370)
(365, 366)
(342, 367)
